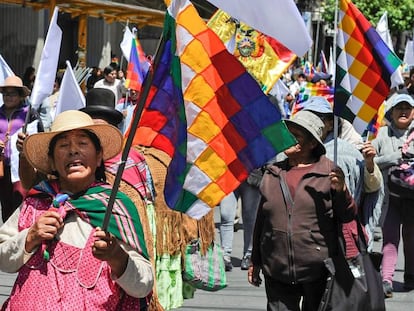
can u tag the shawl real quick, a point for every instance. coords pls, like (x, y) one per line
(136, 172)
(91, 205)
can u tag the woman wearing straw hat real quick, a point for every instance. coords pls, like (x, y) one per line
(55, 240)
(136, 180)
(12, 119)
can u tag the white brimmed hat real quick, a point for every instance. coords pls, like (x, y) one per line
(318, 104)
(16, 82)
(36, 146)
(394, 100)
(311, 123)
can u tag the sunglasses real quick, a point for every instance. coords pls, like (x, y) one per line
(11, 94)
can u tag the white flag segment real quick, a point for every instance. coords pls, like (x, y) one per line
(409, 53)
(70, 94)
(5, 71)
(384, 32)
(105, 55)
(278, 19)
(331, 64)
(280, 90)
(46, 73)
(126, 43)
(14, 157)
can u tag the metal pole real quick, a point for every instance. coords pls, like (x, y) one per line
(27, 118)
(318, 25)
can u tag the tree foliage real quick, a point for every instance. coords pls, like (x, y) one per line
(400, 12)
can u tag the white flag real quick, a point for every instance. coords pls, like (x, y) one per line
(5, 71)
(384, 32)
(70, 94)
(278, 19)
(14, 156)
(105, 55)
(331, 64)
(280, 90)
(126, 43)
(46, 74)
(409, 53)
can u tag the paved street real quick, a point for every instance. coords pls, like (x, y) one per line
(241, 296)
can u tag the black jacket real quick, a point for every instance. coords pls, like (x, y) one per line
(291, 242)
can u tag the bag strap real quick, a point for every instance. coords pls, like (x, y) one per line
(285, 190)
(361, 243)
(341, 242)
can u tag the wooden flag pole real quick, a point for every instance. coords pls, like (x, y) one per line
(27, 118)
(134, 125)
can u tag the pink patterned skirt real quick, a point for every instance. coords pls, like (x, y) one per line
(72, 280)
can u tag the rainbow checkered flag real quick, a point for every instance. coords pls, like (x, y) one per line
(309, 90)
(376, 123)
(138, 67)
(207, 113)
(364, 67)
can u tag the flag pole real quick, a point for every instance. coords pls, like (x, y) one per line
(318, 26)
(134, 125)
(367, 137)
(27, 118)
(127, 96)
(336, 118)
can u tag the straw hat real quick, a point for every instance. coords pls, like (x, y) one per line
(14, 81)
(36, 146)
(311, 123)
